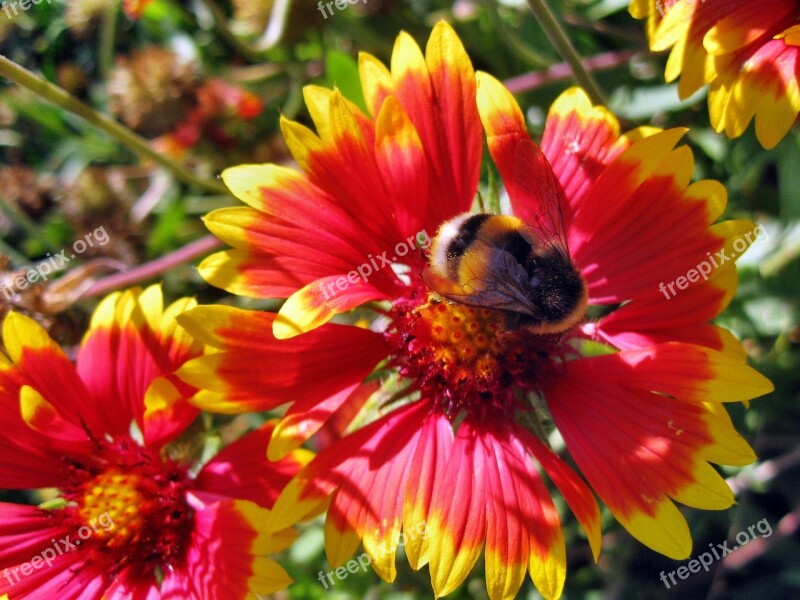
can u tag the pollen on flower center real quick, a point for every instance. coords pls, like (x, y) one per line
(465, 340)
(134, 502)
(465, 357)
(114, 496)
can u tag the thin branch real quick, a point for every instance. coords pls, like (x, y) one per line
(155, 267)
(108, 32)
(561, 71)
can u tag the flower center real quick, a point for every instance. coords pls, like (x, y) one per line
(130, 505)
(466, 358)
(113, 500)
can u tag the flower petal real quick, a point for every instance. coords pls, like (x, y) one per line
(130, 352)
(242, 471)
(402, 162)
(577, 494)
(683, 317)
(45, 368)
(376, 81)
(743, 51)
(305, 418)
(30, 459)
(226, 554)
(318, 302)
(26, 533)
(457, 529)
(523, 530)
(456, 129)
(653, 433)
(536, 195)
(368, 471)
(236, 379)
(579, 139)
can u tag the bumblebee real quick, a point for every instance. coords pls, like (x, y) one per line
(500, 262)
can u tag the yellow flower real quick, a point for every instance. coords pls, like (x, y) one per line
(747, 52)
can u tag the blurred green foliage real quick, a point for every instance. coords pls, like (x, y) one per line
(60, 177)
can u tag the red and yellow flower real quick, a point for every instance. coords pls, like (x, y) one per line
(747, 52)
(132, 519)
(135, 8)
(451, 460)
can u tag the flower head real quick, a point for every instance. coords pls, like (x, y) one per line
(452, 460)
(134, 518)
(135, 8)
(747, 52)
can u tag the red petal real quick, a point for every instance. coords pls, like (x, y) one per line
(254, 371)
(579, 140)
(438, 93)
(25, 534)
(681, 318)
(457, 526)
(242, 471)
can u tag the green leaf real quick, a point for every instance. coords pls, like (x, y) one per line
(341, 70)
(164, 233)
(788, 158)
(643, 103)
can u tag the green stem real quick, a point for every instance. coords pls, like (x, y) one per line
(564, 47)
(108, 31)
(774, 264)
(294, 99)
(122, 134)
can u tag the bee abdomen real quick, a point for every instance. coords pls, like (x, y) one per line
(466, 235)
(457, 236)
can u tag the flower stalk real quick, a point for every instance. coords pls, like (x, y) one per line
(564, 47)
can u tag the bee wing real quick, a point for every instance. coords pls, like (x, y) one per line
(504, 290)
(539, 192)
